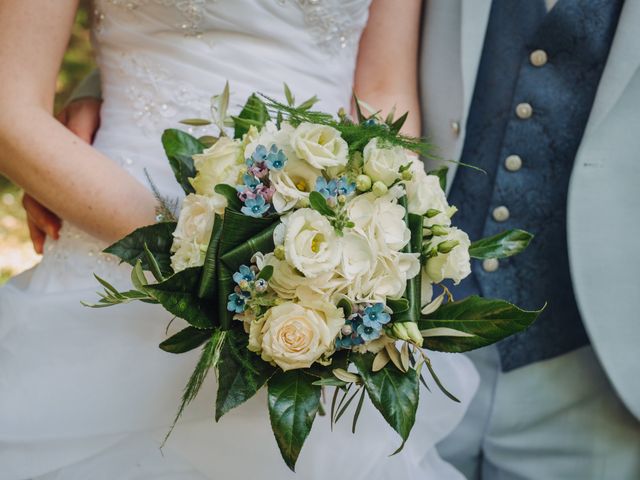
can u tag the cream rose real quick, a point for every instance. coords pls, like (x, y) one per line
(221, 163)
(193, 232)
(383, 164)
(311, 244)
(456, 264)
(295, 336)
(320, 145)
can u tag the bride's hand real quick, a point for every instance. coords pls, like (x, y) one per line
(82, 117)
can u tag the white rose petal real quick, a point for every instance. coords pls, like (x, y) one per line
(383, 164)
(221, 163)
(358, 258)
(455, 265)
(320, 145)
(293, 184)
(424, 193)
(193, 232)
(311, 244)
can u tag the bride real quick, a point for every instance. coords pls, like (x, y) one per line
(86, 394)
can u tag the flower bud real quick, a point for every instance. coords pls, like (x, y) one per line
(414, 333)
(399, 331)
(363, 183)
(432, 212)
(342, 199)
(261, 285)
(347, 330)
(451, 211)
(439, 230)
(279, 252)
(407, 175)
(379, 189)
(447, 246)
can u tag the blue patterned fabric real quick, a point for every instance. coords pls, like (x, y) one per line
(577, 36)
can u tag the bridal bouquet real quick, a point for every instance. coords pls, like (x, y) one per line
(305, 256)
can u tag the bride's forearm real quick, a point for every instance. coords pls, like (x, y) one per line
(39, 154)
(68, 176)
(387, 68)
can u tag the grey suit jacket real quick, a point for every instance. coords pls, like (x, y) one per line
(604, 195)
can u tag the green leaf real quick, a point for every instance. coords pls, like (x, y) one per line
(266, 273)
(347, 307)
(503, 245)
(207, 141)
(262, 241)
(293, 404)
(208, 281)
(158, 238)
(207, 360)
(413, 291)
(153, 264)
(399, 123)
(241, 373)
(254, 113)
(441, 173)
(240, 239)
(231, 194)
(289, 96)
(319, 204)
(398, 306)
(178, 295)
(180, 147)
(394, 393)
(307, 104)
(484, 321)
(186, 340)
(195, 122)
(330, 382)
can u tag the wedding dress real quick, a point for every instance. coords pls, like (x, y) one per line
(86, 394)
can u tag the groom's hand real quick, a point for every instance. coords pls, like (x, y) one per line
(82, 117)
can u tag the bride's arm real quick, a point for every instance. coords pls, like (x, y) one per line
(38, 153)
(387, 68)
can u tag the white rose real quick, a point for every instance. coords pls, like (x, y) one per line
(424, 193)
(270, 135)
(295, 336)
(320, 145)
(388, 219)
(388, 278)
(383, 164)
(358, 256)
(454, 265)
(193, 232)
(293, 184)
(186, 255)
(221, 163)
(381, 220)
(311, 244)
(361, 210)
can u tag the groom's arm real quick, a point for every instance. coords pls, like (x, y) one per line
(387, 68)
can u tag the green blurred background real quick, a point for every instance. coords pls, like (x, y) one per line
(16, 253)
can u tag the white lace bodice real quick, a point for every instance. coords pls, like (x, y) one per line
(162, 60)
(170, 56)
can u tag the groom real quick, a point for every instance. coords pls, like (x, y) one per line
(545, 97)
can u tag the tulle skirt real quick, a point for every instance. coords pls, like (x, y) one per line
(87, 394)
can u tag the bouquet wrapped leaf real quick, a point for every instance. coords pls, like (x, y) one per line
(312, 252)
